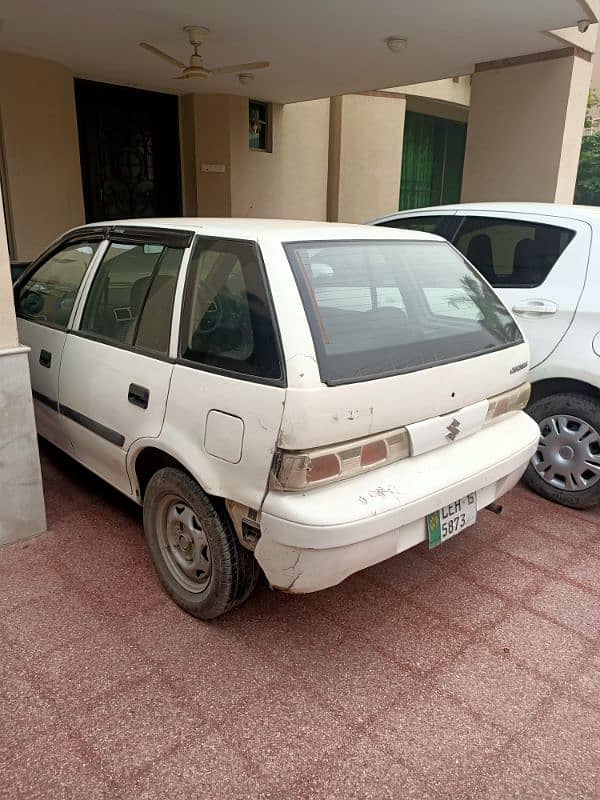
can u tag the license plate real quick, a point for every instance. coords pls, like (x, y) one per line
(451, 519)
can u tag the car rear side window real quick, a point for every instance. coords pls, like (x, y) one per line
(380, 308)
(227, 319)
(512, 253)
(131, 297)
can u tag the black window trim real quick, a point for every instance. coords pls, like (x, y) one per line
(231, 373)
(313, 324)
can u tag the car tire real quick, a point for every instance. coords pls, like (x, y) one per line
(565, 419)
(195, 550)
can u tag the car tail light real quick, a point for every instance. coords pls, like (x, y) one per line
(296, 472)
(513, 400)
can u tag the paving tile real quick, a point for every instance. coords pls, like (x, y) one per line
(137, 727)
(284, 733)
(362, 769)
(567, 739)
(418, 640)
(39, 627)
(24, 714)
(585, 570)
(92, 665)
(51, 768)
(540, 645)
(528, 510)
(521, 775)
(585, 681)
(576, 608)
(211, 769)
(460, 601)
(442, 740)
(491, 684)
(356, 678)
(536, 548)
(404, 572)
(501, 573)
(27, 573)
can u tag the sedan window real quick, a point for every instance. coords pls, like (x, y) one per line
(512, 253)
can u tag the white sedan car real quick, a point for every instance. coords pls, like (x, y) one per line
(542, 259)
(307, 397)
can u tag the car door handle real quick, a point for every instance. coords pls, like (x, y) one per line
(535, 308)
(138, 395)
(45, 358)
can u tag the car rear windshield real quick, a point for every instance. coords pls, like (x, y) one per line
(378, 308)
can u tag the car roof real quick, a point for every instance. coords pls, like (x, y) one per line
(276, 229)
(588, 213)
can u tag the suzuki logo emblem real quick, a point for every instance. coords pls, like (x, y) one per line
(453, 429)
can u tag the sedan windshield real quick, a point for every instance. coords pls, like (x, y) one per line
(380, 308)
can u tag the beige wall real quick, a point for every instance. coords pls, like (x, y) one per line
(370, 131)
(524, 133)
(43, 175)
(291, 181)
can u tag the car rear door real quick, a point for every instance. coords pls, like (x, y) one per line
(536, 263)
(45, 300)
(116, 368)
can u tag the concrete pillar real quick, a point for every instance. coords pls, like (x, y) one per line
(365, 155)
(525, 127)
(22, 511)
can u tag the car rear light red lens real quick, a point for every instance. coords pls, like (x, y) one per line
(373, 453)
(322, 467)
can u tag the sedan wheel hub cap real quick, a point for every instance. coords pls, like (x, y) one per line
(568, 455)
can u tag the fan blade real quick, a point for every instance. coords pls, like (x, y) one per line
(241, 67)
(165, 56)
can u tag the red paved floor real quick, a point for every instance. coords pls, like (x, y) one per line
(471, 671)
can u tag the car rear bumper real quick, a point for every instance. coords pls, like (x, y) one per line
(315, 539)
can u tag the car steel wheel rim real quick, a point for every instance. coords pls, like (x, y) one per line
(568, 455)
(183, 544)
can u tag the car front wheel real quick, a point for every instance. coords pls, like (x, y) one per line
(195, 550)
(566, 465)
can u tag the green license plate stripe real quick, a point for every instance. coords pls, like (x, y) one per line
(434, 528)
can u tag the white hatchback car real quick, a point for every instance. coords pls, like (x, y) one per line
(542, 261)
(307, 397)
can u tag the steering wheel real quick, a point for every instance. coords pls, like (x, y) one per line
(213, 315)
(31, 302)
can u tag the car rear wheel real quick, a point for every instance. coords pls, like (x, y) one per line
(195, 550)
(566, 465)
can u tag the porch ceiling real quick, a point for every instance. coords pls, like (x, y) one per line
(317, 47)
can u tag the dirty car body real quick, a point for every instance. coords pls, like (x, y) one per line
(301, 396)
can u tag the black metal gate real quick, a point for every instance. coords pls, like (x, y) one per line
(129, 145)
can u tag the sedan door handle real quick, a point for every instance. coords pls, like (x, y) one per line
(45, 358)
(535, 308)
(138, 395)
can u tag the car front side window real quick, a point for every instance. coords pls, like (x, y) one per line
(49, 295)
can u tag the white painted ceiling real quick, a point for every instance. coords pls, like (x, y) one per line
(317, 48)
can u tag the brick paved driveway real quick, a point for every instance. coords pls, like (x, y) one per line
(468, 672)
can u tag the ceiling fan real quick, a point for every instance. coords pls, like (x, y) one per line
(196, 68)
